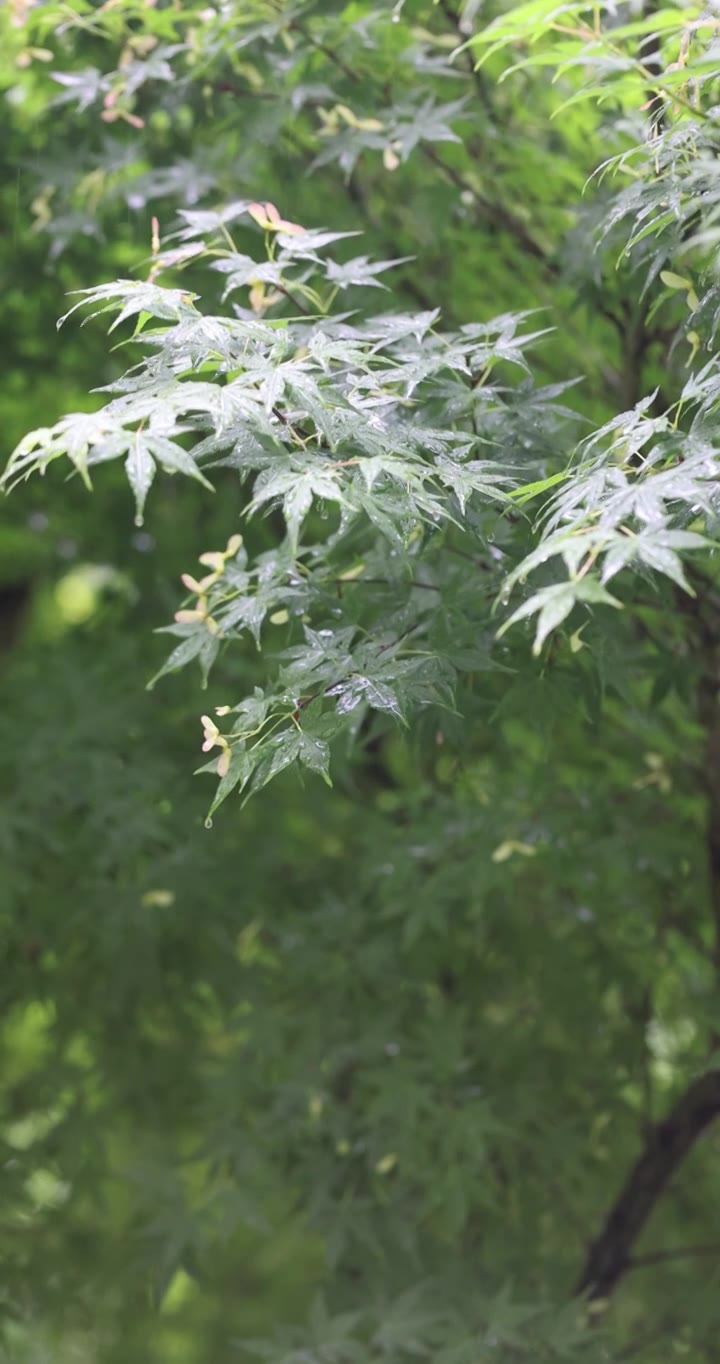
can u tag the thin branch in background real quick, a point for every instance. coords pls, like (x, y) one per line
(667, 1143)
(709, 715)
(384, 582)
(326, 50)
(455, 21)
(493, 213)
(658, 1257)
(484, 564)
(407, 282)
(643, 1017)
(281, 288)
(657, 1336)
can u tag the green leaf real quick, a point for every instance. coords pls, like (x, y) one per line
(238, 774)
(140, 470)
(314, 753)
(553, 605)
(184, 653)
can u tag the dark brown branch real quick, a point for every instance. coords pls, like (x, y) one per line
(456, 22)
(709, 716)
(636, 339)
(327, 51)
(659, 1257)
(407, 282)
(300, 307)
(494, 213)
(658, 1334)
(666, 1146)
(667, 1143)
(651, 58)
(703, 612)
(384, 582)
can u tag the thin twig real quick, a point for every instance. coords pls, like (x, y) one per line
(327, 51)
(455, 20)
(667, 1144)
(291, 299)
(385, 582)
(494, 212)
(658, 1257)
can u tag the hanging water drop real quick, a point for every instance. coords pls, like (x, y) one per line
(208, 823)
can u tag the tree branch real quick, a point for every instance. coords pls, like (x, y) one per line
(456, 22)
(703, 610)
(658, 1257)
(666, 1146)
(709, 716)
(496, 214)
(407, 282)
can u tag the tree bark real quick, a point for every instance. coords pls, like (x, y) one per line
(666, 1146)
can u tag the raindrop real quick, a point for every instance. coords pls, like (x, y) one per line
(143, 542)
(208, 823)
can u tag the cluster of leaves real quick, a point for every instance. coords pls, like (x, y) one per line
(377, 425)
(390, 429)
